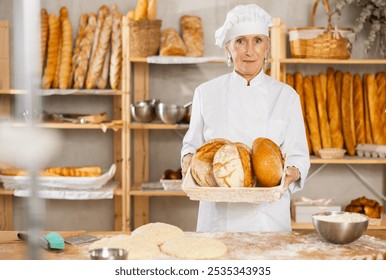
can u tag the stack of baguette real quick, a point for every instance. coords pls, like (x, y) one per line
(342, 110)
(81, 171)
(93, 62)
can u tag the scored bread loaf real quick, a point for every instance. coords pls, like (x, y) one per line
(348, 113)
(232, 166)
(81, 33)
(374, 110)
(66, 54)
(152, 10)
(201, 167)
(333, 110)
(369, 137)
(44, 36)
(102, 79)
(116, 50)
(359, 113)
(193, 35)
(82, 61)
(324, 126)
(171, 43)
(96, 63)
(267, 162)
(52, 50)
(381, 93)
(312, 115)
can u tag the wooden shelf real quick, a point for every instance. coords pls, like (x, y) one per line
(49, 92)
(115, 125)
(179, 60)
(136, 125)
(331, 61)
(348, 160)
(136, 190)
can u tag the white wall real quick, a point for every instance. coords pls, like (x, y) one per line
(176, 84)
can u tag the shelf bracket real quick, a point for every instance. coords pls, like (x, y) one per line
(316, 171)
(365, 182)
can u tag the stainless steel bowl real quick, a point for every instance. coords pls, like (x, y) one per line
(332, 227)
(143, 111)
(108, 254)
(171, 113)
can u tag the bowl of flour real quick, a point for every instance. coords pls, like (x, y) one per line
(340, 227)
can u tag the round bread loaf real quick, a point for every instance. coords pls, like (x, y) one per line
(201, 166)
(232, 166)
(267, 162)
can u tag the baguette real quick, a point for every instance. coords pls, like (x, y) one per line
(171, 43)
(348, 114)
(338, 86)
(141, 10)
(334, 112)
(152, 10)
(381, 83)
(52, 51)
(290, 80)
(374, 110)
(324, 126)
(192, 35)
(96, 64)
(312, 115)
(44, 36)
(359, 113)
(130, 14)
(102, 80)
(66, 54)
(81, 33)
(369, 136)
(116, 51)
(323, 86)
(84, 171)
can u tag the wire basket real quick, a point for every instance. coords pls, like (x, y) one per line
(320, 42)
(144, 37)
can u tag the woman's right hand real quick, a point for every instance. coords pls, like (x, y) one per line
(185, 163)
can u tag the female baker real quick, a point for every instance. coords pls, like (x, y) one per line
(242, 106)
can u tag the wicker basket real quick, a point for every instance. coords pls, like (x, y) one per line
(332, 153)
(320, 42)
(145, 37)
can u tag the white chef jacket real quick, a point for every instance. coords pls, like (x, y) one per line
(226, 107)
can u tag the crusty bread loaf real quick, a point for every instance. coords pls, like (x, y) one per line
(152, 10)
(102, 79)
(381, 93)
(312, 115)
(82, 61)
(81, 33)
(323, 85)
(141, 10)
(83, 171)
(232, 166)
(96, 63)
(66, 54)
(369, 137)
(193, 35)
(333, 110)
(116, 50)
(44, 36)
(324, 126)
(338, 86)
(374, 110)
(348, 113)
(171, 43)
(366, 206)
(201, 167)
(267, 162)
(52, 50)
(359, 111)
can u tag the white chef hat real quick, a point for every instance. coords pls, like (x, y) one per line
(243, 20)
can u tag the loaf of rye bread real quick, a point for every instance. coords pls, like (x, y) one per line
(267, 162)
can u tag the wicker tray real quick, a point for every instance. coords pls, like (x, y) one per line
(224, 194)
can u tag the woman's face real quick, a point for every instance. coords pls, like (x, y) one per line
(248, 52)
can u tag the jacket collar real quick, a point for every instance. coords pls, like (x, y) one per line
(238, 82)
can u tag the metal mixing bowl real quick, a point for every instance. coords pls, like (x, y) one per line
(338, 230)
(171, 113)
(143, 111)
(108, 254)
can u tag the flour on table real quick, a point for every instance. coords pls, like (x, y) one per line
(194, 248)
(137, 248)
(342, 218)
(158, 233)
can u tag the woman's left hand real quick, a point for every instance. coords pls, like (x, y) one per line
(292, 175)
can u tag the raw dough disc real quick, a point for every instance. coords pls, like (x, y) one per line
(137, 248)
(194, 248)
(158, 233)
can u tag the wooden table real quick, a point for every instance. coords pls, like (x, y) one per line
(300, 244)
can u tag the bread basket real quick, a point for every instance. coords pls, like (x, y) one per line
(144, 37)
(320, 42)
(332, 153)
